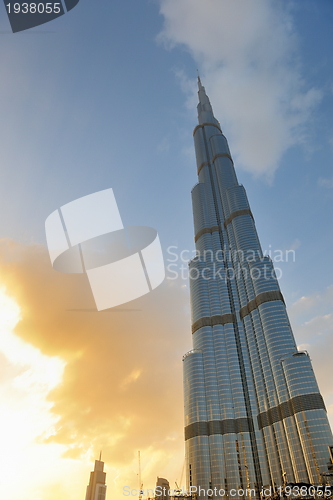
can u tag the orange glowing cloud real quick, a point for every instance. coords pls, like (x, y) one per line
(122, 383)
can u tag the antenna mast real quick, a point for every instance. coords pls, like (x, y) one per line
(140, 483)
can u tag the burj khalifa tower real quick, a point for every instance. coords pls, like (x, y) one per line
(254, 415)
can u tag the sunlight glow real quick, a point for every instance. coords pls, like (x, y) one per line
(27, 376)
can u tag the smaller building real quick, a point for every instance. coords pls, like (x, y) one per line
(96, 489)
(162, 489)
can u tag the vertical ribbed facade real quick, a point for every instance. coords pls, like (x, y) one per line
(254, 415)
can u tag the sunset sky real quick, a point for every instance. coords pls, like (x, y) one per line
(105, 97)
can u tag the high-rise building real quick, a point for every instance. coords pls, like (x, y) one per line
(96, 489)
(254, 415)
(162, 489)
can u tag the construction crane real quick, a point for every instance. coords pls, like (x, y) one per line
(140, 482)
(179, 490)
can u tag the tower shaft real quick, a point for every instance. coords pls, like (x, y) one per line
(254, 415)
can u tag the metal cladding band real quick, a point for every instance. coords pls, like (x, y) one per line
(289, 408)
(222, 155)
(213, 427)
(260, 299)
(213, 320)
(219, 155)
(208, 125)
(237, 213)
(273, 415)
(204, 164)
(206, 230)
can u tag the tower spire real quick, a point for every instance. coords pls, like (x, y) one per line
(199, 80)
(205, 110)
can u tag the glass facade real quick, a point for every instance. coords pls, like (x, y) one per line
(254, 415)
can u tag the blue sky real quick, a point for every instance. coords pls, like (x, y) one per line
(105, 96)
(94, 99)
(98, 101)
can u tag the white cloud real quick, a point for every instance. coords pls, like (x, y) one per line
(312, 305)
(327, 183)
(295, 244)
(247, 52)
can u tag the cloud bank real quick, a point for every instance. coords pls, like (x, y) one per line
(121, 388)
(247, 52)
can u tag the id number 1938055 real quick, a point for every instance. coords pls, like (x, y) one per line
(34, 8)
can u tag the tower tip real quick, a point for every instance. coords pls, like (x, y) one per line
(199, 80)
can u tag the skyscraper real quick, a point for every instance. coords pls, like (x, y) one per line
(162, 489)
(96, 489)
(254, 415)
